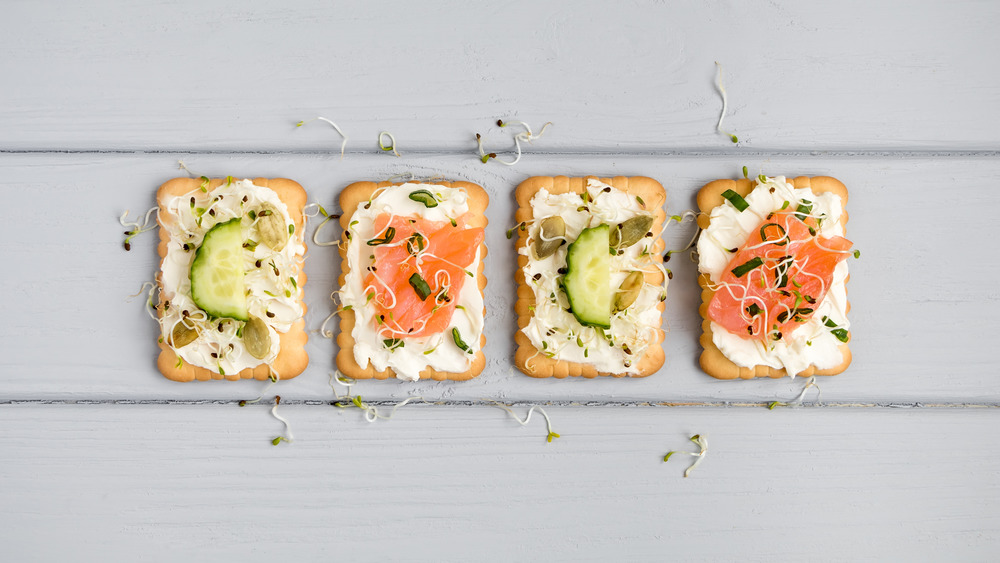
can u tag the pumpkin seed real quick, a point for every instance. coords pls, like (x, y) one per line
(550, 233)
(628, 291)
(631, 231)
(256, 338)
(272, 228)
(181, 336)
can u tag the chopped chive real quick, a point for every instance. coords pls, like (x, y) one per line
(753, 310)
(420, 286)
(736, 199)
(780, 241)
(457, 337)
(425, 197)
(838, 332)
(742, 269)
(804, 209)
(390, 233)
(393, 343)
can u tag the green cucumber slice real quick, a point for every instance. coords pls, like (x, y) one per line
(588, 277)
(217, 272)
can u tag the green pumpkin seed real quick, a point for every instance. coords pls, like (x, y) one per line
(256, 338)
(628, 291)
(551, 230)
(630, 231)
(272, 228)
(181, 336)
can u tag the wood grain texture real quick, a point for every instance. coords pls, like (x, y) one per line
(908, 338)
(638, 77)
(203, 483)
(893, 98)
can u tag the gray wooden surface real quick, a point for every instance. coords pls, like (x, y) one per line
(896, 458)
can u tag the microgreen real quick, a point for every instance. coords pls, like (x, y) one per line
(335, 126)
(810, 382)
(527, 418)
(702, 443)
(527, 135)
(725, 104)
(391, 147)
(135, 227)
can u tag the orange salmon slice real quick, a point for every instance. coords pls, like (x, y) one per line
(438, 252)
(774, 283)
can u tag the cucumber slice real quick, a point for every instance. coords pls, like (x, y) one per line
(217, 272)
(588, 277)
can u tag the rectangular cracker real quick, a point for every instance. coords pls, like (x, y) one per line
(353, 196)
(529, 359)
(712, 360)
(292, 359)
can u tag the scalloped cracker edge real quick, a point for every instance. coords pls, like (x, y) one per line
(529, 359)
(712, 360)
(292, 358)
(353, 196)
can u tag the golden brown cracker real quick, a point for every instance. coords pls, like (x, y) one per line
(292, 358)
(529, 359)
(350, 198)
(712, 360)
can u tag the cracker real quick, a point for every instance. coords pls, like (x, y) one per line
(292, 359)
(350, 198)
(712, 361)
(529, 359)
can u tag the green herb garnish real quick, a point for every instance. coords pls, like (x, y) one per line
(420, 286)
(736, 199)
(393, 343)
(390, 233)
(425, 197)
(803, 210)
(838, 332)
(782, 240)
(457, 337)
(742, 269)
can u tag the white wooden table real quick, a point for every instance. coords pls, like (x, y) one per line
(897, 458)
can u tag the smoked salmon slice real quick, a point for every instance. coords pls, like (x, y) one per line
(419, 269)
(773, 284)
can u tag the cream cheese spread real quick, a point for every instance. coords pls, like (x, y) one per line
(437, 351)
(273, 294)
(553, 329)
(812, 343)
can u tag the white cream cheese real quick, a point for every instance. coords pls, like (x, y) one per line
(273, 298)
(811, 343)
(553, 330)
(437, 351)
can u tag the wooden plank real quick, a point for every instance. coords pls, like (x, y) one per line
(187, 75)
(925, 303)
(204, 483)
